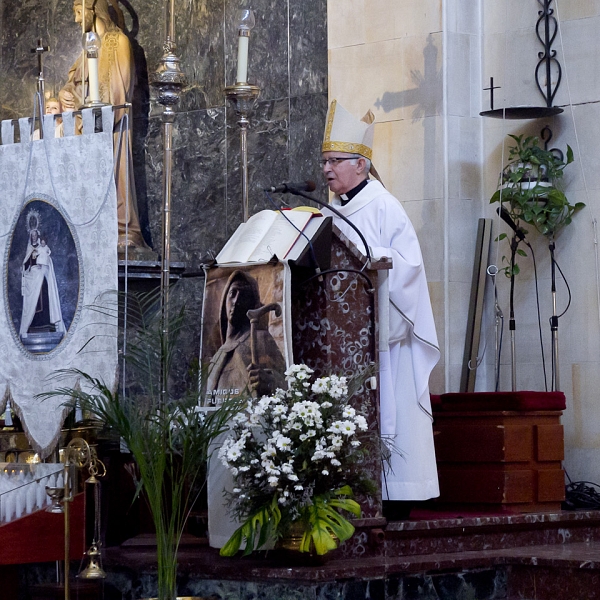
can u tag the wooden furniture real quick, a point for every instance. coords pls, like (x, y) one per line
(500, 460)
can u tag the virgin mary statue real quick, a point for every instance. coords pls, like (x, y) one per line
(37, 266)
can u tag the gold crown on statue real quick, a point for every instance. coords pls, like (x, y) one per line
(345, 133)
(32, 220)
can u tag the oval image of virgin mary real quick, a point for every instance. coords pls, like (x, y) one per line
(42, 278)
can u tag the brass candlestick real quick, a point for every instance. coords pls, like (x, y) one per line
(243, 96)
(77, 454)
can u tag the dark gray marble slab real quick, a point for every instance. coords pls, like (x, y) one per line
(308, 47)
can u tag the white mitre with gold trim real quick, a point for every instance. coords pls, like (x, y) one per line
(345, 133)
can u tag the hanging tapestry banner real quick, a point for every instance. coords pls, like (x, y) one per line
(58, 243)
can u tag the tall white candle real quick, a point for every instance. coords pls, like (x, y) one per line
(242, 64)
(93, 79)
(245, 23)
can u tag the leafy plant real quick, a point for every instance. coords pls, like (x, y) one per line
(530, 190)
(530, 186)
(294, 456)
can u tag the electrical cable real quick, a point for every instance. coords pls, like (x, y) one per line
(581, 495)
(539, 316)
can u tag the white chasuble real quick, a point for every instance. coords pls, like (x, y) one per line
(405, 406)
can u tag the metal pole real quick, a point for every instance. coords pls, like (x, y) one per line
(168, 119)
(169, 80)
(244, 152)
(243, 96)
(66, 503)
(554, 324)
(511, 321)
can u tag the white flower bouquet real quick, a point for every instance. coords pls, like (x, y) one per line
(294, 457)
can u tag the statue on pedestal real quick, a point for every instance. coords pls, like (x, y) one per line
(116, 73)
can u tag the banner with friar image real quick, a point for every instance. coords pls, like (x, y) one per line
(58, 243)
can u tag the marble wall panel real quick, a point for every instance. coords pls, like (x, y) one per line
(201, 33)
(306, 137)
(308, 47)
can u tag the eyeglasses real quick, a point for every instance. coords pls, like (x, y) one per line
(335, 160)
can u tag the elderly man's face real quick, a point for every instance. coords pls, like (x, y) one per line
(345, 174)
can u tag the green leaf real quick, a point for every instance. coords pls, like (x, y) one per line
(263, 522)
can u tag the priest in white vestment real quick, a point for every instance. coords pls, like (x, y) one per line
(404, 369)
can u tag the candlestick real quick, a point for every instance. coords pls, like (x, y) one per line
(246, 22)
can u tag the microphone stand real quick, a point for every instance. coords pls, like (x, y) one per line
(554, 322)
(514, 244)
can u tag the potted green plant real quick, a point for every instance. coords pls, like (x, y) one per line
(295, 457)
(530, 187)
(168, 437)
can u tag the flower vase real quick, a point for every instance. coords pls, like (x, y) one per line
(288, 549)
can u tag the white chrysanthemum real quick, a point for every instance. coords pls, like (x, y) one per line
(273, 481)
(233, 454)
(283, 443)
(355, 443)
(361, 422)
(336, 442)
(319, 386)
(325, 472)
(336, 427)
(335, 462)
(348, 412)
(348, 428)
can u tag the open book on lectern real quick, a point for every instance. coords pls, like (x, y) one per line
(283, 234)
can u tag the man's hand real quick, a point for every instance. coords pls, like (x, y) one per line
(262, 381)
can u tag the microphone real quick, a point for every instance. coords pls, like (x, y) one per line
(292, 188)
(505, 216)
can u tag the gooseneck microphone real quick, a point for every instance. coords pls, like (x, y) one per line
(300, 189)
(292, 188)
(505, 216)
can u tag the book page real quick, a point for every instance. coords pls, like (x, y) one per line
(247, 237)
(281, 236)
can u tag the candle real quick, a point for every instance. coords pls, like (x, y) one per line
(245, 24)
(242, 64)
(91, 46)
(93, 78)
